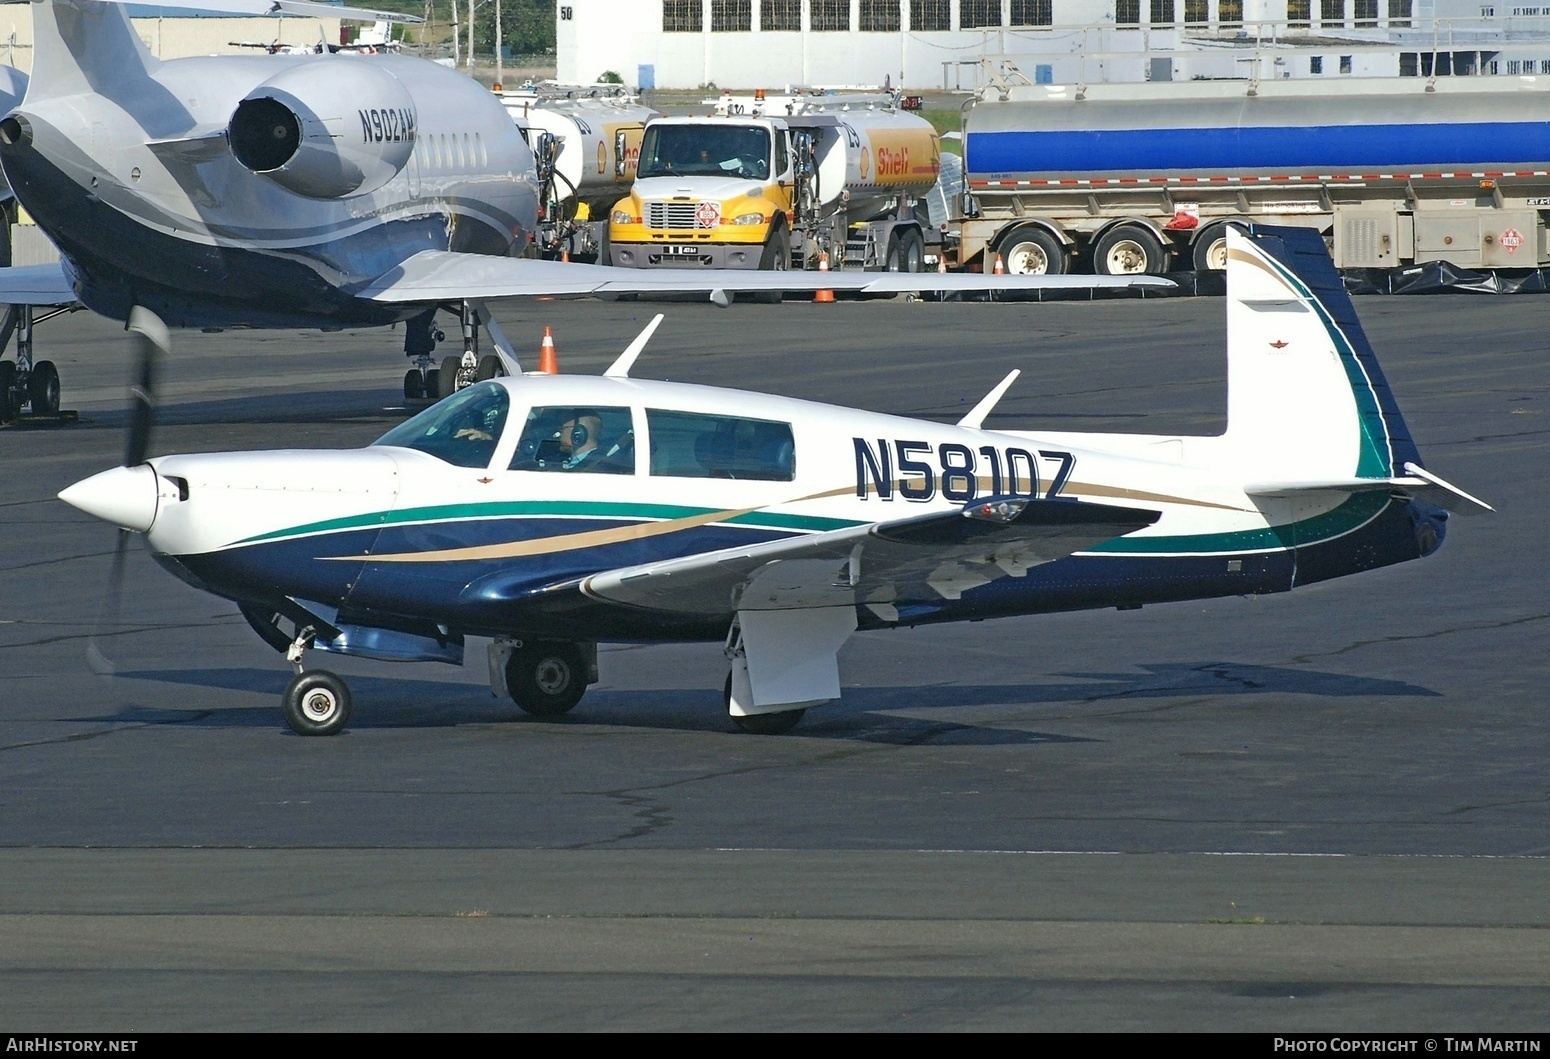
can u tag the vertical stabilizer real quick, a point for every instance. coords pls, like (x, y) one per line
(85, 46)
(1306, 399)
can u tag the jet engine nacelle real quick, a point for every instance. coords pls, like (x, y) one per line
(328, 128)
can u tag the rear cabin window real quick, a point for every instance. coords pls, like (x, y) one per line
(692, 445)
(577, 439)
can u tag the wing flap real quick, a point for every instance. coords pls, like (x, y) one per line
(925, 558)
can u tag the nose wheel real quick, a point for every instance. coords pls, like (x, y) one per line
(316, 702)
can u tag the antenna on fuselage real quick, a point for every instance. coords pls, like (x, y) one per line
(976, 417)
(620, 369)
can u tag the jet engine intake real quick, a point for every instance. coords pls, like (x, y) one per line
(331, 127)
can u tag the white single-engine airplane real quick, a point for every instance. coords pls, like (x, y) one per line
(327, 190)
(550, 513)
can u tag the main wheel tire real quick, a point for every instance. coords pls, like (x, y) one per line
(907, 252)
(760, 723)
(43, 388)
(1210, 250)
(547, 678)
(414, 385)
(776, 257)
(1033, 252)
(8, 403)
(446, 379)
(316, 703)
(490, 367)
(1129, 251)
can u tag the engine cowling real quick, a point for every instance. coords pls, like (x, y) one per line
(328, 128)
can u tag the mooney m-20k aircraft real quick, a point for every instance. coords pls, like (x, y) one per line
(325, 190)
(550, 513)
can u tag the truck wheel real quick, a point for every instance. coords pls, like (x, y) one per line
(1210, 250)
(1129, 251)
(912, 252)
(1033, 252)
(775, 258)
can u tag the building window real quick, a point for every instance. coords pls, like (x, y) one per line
(977, 14)
(1316, 64)
(683, 16)
(731, 16)
(1544, 66)
(1127, 13)
(1033, 12)
(1162, 12)
(1399, 13)
(776, 16)
(830, 15)
(1332, 13)
(1197, 11)
(1409, 66)
(1345, 64)
(930, 14)
(1366, 14)
(1230, 12)
(882, 16)
(1298, 13)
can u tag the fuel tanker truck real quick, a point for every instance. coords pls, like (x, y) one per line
(1140, 178)
(586, 139)
(776, 182)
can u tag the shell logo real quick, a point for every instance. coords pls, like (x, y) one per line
(866, 164)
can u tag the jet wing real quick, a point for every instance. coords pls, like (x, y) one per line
(36, 285)
(881, 564)
(441, 275)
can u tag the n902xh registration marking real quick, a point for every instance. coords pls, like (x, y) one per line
(956, 470)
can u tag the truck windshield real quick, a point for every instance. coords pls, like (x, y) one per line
(705, 150)
(463, 429)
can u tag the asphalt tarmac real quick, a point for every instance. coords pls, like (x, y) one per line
(1322, 811)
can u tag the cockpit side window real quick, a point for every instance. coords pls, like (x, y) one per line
(462, 430)
(576, 438)
(694, 445)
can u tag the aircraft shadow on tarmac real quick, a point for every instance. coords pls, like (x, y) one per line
(865, 714)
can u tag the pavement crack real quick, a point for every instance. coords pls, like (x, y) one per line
(1434, 634)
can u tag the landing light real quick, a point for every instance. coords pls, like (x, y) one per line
(996, 510)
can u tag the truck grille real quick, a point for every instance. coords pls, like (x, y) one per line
(672, 215)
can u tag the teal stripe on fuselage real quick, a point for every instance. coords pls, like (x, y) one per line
(536, 508)
(1358, 509)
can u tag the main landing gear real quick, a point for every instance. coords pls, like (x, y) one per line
(27, 383)
(425, 382)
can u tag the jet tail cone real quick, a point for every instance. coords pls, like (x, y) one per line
(123, 496)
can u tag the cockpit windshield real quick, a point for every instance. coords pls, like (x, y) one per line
(463, 429)
(741, 151)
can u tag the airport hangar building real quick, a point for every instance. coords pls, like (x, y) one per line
(956, 44)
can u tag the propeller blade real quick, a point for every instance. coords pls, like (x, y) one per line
(151, 344)
(99, 662)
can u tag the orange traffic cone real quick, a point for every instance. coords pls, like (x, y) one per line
(823, 295)
(548, 364)
(565, 254)
(1000, 269)
(941, 264)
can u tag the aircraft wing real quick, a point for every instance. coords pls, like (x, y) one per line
(442, 275)
(879, 564)
(36, 285)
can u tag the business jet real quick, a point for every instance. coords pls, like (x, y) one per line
(300, 191)
(552, 513)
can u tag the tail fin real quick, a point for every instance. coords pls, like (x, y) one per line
(1306, 400)
(85, 46)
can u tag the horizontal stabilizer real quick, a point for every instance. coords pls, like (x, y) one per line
(1417, 482)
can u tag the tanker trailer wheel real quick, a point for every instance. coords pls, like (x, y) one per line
(1129, 251)
(906, 251)
(775, 258)
(1210, 250)
(1033, 252)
